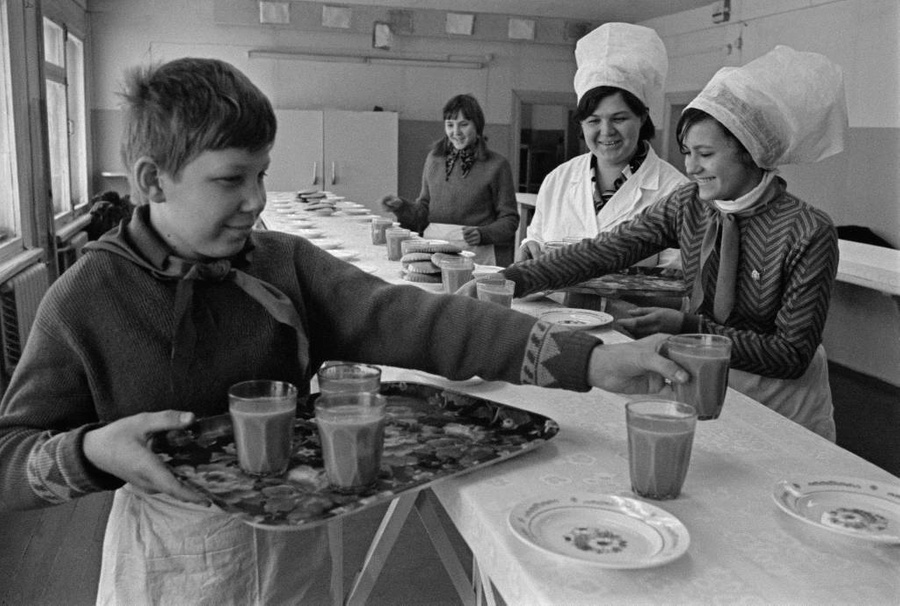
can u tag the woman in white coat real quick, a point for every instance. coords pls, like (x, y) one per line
(620, 79)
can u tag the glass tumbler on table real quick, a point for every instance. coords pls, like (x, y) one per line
(660, 438)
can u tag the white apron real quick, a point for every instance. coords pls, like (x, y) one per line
(484, 253)
(806, 400)
(159, 551)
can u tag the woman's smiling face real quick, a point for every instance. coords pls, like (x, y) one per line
(612, 131)
(718, 164)
(460, 131)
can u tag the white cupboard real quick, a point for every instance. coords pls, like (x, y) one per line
(352, 154)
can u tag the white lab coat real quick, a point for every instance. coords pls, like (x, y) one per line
(565, 202)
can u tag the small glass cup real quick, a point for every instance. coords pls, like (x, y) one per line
(456, 271)
(496, 289)
(660, 437)
(348, 377)
(262, 414)
(351, 430)
(379, 225)
(707, 359)
(393, 237)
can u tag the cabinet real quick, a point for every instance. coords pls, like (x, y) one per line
(352, 154)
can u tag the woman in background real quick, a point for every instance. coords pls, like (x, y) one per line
(620, 78)
(468, 195)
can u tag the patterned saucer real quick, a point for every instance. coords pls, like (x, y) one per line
(604, 530)
(850, 506)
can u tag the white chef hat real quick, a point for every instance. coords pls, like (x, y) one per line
(630, 57)
(785, 107)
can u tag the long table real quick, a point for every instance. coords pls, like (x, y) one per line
(743, 548)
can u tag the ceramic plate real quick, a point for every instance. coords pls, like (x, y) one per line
(576, 319)
(327, 243)
(350, 210)
(371, 269)
(346, 255)
(605, 530)
(850, 506)
(309, 233)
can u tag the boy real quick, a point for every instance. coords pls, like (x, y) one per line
(185, 300)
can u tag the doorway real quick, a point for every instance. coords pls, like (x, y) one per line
(543, 136)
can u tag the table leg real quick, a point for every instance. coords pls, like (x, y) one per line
(425, 507)
(336, 547)
(381, 546)
(482, 583)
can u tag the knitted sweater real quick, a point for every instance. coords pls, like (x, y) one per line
(788, 261)
(100, 349)
(485, 198)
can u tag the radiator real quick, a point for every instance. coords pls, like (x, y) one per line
(71, 252)
(19, 298)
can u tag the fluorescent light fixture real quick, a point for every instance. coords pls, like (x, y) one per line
(274, 12)
(336, 16)
(343, 56)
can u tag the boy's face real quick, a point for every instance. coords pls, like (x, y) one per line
(209, 210)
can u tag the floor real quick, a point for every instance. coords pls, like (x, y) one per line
(51, 557)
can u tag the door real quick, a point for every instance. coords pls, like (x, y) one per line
(296, 157)
(360, 159)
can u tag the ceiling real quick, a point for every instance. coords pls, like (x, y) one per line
(630, 11)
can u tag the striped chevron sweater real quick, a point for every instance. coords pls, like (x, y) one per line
(788, 261)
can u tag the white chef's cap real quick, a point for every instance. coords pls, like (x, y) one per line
(630, 57)
(785, 107)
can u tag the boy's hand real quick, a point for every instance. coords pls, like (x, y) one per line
(634, 367)
(121, 449)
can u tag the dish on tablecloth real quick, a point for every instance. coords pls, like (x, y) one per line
(327, 243)
(850, 506)
(431, 433)
(354, 210)
(369, 269)
(345, 255)
(604, 530)
(309, 234)
(576, 319)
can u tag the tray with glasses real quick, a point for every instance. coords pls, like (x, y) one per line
(431, 433)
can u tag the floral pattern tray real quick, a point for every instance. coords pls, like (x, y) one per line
(638, 280)
(431, 434)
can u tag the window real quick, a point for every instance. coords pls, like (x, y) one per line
(66, 118)
(10, 222)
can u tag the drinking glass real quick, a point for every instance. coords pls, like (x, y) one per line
(393, 237)
(348, 377)
(496, 290)
(262, 414)
(706, 358)
(351, 430)
(660, 436)
(456, 271)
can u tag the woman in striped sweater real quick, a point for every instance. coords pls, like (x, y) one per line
(762, 262)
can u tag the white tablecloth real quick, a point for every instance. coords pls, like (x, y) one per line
(744, 549)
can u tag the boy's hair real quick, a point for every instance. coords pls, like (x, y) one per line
(177, 110)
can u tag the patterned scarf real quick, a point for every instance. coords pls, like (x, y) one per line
(467, 157)
(137, 242)
(601, 197)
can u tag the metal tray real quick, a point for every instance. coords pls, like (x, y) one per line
(431, 434)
